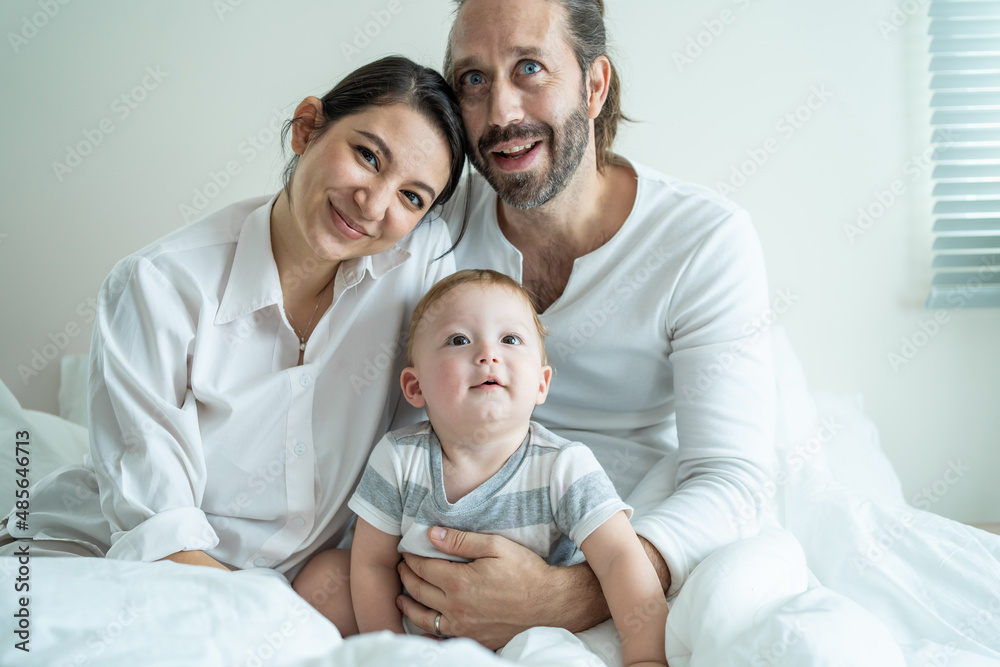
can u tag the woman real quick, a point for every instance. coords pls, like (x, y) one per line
(243, 366)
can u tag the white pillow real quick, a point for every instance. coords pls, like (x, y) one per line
(52, 443)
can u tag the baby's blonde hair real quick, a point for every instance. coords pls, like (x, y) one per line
(483, 276)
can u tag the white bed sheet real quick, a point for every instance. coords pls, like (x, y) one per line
(923, 588)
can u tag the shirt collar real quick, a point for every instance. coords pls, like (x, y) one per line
(253, 280)
(353, 270)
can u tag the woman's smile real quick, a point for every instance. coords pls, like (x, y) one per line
(346, 226)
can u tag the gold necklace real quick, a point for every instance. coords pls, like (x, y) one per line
(295, 328)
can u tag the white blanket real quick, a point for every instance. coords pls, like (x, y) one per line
(852, 560)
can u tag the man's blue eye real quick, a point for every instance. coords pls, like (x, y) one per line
(474, 79)
(531, 67)
(458, 339)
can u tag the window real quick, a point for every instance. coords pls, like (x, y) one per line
(965, 115)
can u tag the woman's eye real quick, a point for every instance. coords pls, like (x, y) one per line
(458, 339)
(510, 339)
(473, 79)
(368, 156)
(414, 198)
(530, 67)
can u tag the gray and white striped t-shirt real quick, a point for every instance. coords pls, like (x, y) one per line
(549, 495)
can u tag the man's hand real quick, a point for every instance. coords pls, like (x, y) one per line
(505, 590)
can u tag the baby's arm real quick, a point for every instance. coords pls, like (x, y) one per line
(631, 588)
(374, 579)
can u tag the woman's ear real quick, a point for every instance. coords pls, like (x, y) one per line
(411, 387)
(308, 116)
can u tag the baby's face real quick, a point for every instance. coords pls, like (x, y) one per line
(478, 361)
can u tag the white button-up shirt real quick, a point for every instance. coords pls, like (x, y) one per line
(205, 434)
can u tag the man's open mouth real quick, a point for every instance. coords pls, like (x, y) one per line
(517, 152)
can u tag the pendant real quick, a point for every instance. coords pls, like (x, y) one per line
(302, 347)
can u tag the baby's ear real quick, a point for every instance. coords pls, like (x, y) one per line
(543, 384)
(411, 387)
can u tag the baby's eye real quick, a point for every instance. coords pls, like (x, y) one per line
(510, 339)
(458, 339)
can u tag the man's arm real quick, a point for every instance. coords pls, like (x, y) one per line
(506, 589)
(660, 565)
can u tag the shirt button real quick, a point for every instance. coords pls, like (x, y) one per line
(305, 380)
(300, 449)
(299, 521)
(260, 562)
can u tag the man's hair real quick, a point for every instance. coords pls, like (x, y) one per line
(586, 35)
(428, 308)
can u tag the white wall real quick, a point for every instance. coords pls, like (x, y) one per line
(225, 74)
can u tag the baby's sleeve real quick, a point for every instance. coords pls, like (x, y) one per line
(378, 498)
(583, 496)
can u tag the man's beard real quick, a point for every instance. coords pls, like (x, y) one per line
(525, 189)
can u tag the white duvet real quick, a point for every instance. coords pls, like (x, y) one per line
(852, 560)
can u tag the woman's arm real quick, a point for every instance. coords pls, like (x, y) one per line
(145, 437)
(374, 579)
(631, 588)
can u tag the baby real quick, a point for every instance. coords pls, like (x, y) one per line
(478, 366)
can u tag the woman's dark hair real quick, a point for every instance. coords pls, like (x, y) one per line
(392, 80)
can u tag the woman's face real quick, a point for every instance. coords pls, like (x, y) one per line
(367, 181)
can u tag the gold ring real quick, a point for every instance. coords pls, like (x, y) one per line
(437, 624)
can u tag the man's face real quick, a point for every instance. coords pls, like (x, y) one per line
(523, 96)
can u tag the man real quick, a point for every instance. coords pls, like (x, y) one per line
(654, 291)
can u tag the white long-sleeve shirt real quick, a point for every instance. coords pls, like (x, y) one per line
(205, 434)
(662, 361)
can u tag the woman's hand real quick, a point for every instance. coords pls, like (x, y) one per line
(505, 590)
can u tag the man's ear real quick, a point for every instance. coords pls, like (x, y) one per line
(309, 115)
(598, 85)
(411, 387)
(543, 385)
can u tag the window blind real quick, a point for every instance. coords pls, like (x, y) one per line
(965, 138)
